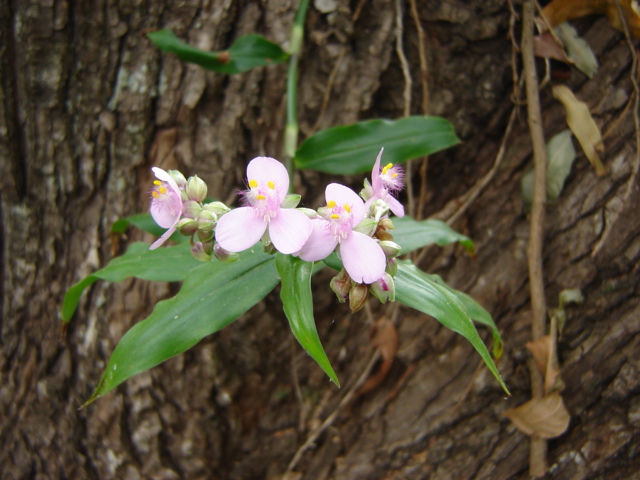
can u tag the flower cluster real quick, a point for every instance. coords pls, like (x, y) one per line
(355, 228)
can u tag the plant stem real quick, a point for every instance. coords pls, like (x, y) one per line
(291, 128)
(538, 448)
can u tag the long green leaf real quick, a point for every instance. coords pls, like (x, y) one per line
(297, 300)
(247, 52)
(411, 234)
(418, 290)
(169, 264)
(353, 148)
(212, 296)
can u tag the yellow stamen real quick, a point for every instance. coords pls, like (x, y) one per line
(162, 190)
(155, 194)
(271, 185)
(331, 204)
(347, 208)
(253, 184)
(335, 216)
(260, 197)
(394, 175)
(386, 168)
(157, 182)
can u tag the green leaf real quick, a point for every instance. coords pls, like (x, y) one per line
(411, 234)
(168, 264)
(143, 221)
(354, 148)
(212, 296)
(247, 52)
(295, 275)
(578, 51)
(453, 309)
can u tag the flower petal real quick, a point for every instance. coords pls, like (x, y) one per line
(362, 257)
(165, 236)
(165, 177)
(344, 195)
(320, 243)
(267, 169)
(395, 206)
(376, 182)
(289, 230)
(239, 229)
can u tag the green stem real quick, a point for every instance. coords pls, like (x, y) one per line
(291, 128)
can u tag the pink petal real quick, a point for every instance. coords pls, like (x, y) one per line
(239, 229)
(376, 183)
(362, 257)
(344, 195)
(289, 230)
(166, 211)
(395, 206)
(165, 177)
(320, 243)
(165, 236)
(267, 169)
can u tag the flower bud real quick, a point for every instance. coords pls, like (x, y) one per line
(383, 289)
(207, 221)
(223, 255)
(341, 285)
(191, 209)
(187, 226)
(291, 201)
(196, 189)
(387, 224)
(198, 250)
(392, 267)
(205, 236)
(390, 249)
(382, 234)
(218, 208)
(308, 212)
(358, 296)
(366, 226)
(179, 179)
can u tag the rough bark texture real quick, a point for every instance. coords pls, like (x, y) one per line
(88, 105)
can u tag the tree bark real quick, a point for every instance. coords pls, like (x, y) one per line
(89, 105)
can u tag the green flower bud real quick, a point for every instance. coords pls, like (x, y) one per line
(392, 267)
(341, 285)
(309, 212)
(390, 249)
(224, 256)
(291, 201)
(196, 189)
(218, 208)
(207, 221)
(198, 250)
(366, 226)
(179, 179)
(205, 236)
(383, 289)
(191, 209)
(358, 296)
(187, 226)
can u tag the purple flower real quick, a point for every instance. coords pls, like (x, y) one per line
(243, 227)
(166, 204)
(362, 257)
(384, 182)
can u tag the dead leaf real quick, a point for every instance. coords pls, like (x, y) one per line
(545, 417)
(544, 355)
(559, 11)
(582, 125)
(386, 339)
(546, 46)
(578, 51)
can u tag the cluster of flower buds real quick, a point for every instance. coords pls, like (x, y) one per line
(354, 227)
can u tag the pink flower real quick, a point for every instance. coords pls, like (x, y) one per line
(166, 204)
(362, 257)
(243, 227)
(383, 183)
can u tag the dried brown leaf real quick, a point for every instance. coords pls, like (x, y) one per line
(582, 125)
(386, 340)
(543, 352)
(559, 11)
(545, 417)
(546, 46)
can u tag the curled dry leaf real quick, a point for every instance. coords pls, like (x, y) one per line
(582, 125)
(543, 352)
(386, 339)
(559, 11)
(545, 417)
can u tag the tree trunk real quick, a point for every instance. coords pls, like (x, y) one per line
(89, 105)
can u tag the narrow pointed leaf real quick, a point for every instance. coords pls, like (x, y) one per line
(169, 264)
(418, 290)
(411, 234)
(353, 148)
(297, 300)
(212, 296)
(247, 52)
